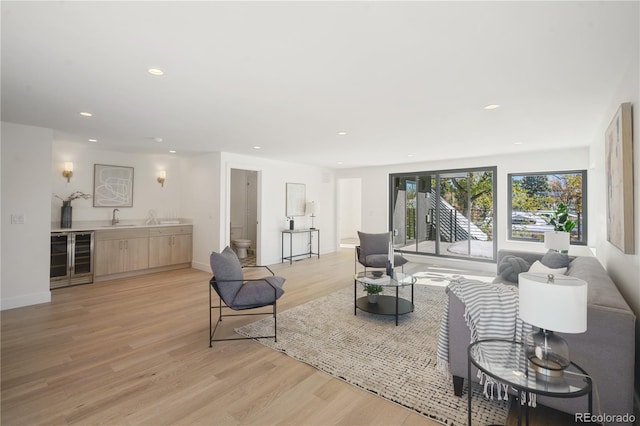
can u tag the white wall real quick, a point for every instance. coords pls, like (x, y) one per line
(202, 193)
(349, 208)
(272, 179)
(147, 192)
(624, 269)
(26, 190)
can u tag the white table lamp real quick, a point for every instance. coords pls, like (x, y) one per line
(551, 303)
(311, 209)
(557, 240)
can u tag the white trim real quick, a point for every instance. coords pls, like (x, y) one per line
(201, 266)
(25, 300)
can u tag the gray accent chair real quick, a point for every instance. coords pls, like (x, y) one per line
(373, 251)
(238, 293)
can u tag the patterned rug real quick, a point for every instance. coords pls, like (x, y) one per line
(369, 351)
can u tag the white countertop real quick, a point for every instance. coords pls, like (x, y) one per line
(105, 225)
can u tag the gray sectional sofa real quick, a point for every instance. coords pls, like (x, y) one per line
(605, 350)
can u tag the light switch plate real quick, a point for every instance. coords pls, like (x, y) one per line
(17, 219)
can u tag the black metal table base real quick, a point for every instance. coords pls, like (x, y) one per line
(386, 305)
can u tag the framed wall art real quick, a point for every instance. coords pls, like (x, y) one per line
(619, 168)
(296, 199)
(112, 186)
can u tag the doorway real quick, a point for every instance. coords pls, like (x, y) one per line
(244, 210)
(349, 211)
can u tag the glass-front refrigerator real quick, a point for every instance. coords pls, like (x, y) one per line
(71, 259)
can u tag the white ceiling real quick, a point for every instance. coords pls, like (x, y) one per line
(401, 78)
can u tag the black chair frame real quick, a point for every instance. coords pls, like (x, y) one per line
(212, 329)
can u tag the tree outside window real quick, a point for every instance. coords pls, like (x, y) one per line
(535, 194)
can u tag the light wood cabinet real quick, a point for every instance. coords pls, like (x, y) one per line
(118, 251)
(170, 246)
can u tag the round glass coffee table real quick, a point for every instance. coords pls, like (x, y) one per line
(386, 304)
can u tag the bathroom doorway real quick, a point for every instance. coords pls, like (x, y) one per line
(244, 214)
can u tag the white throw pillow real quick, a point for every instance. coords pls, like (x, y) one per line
(539, 267)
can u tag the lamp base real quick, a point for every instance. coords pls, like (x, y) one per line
(548, 353)
(546, 368)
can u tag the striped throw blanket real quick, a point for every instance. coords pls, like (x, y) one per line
(491, 312)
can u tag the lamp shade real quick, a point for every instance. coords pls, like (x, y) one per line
(311, 207)
(557, 240)
(560, 305)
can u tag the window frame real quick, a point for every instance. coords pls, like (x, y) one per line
(437, 174)
(584, 214)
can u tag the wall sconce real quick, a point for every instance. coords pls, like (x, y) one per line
(162, 175)
(68, 171)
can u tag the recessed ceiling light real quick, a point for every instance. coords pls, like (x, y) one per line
(339, 163)
(93, 140)
(172, 151)
(155, 71)
(257, 147)
(86, 114)
(157, 139)
(342, 133)
(518, 143)
(409, 155)
(492, 106)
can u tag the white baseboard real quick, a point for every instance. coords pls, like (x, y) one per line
(25, 300)
(201, 266)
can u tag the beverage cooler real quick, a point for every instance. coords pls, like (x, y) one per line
(71, 258)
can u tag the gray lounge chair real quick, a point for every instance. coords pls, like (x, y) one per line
(240, 294)
(373, 251)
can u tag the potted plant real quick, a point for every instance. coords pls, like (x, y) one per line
(372, 292)
(558, 239)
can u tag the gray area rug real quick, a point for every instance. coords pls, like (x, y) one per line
(369, 351)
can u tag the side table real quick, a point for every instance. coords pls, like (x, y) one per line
(386, 305)
(506, 362)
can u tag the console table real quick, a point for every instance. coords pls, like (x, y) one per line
(310, 252)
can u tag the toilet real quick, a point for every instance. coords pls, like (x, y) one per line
(239, 244)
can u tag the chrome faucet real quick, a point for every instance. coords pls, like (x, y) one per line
(114, 218)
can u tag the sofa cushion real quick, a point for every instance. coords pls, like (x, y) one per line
(602, 290)
(553, 259)
(537, 266)
(511, 266)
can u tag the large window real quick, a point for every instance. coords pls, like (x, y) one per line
(444, 213)
(531, 195)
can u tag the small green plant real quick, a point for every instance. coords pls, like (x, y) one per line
(373, 288)
(560, 219)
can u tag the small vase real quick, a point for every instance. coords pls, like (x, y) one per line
(65, 216)
(372, 298)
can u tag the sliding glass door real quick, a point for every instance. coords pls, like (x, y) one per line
(444, 213)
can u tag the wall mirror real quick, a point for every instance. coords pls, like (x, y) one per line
(295, 199)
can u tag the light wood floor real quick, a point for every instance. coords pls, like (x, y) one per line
(135, 351)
